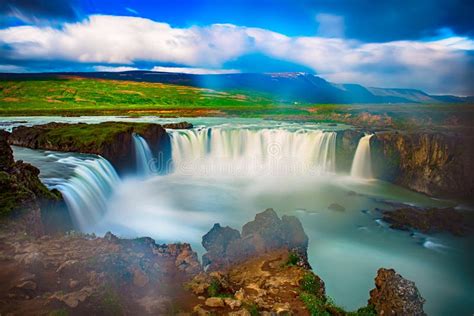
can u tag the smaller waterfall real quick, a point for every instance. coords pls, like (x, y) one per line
(143, 156)
(87, 191)
(362, 165)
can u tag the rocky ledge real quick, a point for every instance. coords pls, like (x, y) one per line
(430, 221)
(111, 140)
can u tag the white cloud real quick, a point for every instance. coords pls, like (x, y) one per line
(114, 69)
(437, 66)
(195, 71)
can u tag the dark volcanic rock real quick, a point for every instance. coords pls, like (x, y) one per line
(111, 140)
(225, 246)
(394, 295)
(431, 220)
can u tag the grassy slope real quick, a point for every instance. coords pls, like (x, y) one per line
(80, 96)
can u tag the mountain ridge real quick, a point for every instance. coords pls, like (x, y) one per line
(295, 87)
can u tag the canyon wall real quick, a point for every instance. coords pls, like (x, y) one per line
(434, 163)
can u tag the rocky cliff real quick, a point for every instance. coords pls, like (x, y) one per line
(434, 163)
(111, 140)
(22, 195)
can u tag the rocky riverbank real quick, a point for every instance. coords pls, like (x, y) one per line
(111, 140)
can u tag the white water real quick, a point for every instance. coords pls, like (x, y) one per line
(143, 156)
(362, 165)
(87, 192)
(249, 152)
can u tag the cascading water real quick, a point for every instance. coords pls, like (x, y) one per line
(87, 191)
(143, 156)
(249, 152)
(362, 165)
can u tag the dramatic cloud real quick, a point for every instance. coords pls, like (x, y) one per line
(438, 66)
(38, 10)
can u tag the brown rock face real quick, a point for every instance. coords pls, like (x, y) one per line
(394, 295)
(225, 246)
(83, 274)
(437, 164)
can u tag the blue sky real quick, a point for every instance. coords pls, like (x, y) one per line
(425, 44)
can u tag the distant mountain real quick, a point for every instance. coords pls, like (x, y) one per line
(285, 87)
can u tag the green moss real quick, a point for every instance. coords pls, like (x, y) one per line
(310, 284)
(292, 259)
(315, 305)
(252, 309)
(58, 312)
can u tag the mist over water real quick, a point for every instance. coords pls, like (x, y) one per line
(225, 173)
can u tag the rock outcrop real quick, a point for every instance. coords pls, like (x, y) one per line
(226, 246)
(82, 274)
(21, 192)
(111, 140)
(434, 163)
(430, 162)
(431, 220)
(394, 295)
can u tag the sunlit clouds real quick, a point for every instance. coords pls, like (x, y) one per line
(438, 66)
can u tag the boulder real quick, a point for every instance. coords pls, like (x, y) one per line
(225, 246)
(394, 295)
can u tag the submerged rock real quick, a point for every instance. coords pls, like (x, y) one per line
(394, 295)
(336, 207)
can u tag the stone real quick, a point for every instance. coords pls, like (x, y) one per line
(214, 302)
(281, 308)
(69, 264)
(139, 278)
(336, 207)
(26, 285)
(240, 312)
(74, 298)
(232, 303)
(394, 295)
(73, 283)
(200, 311)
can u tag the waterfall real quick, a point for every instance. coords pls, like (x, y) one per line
(143, 156)
(240, 152)
(87, 191)
(362, 165)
